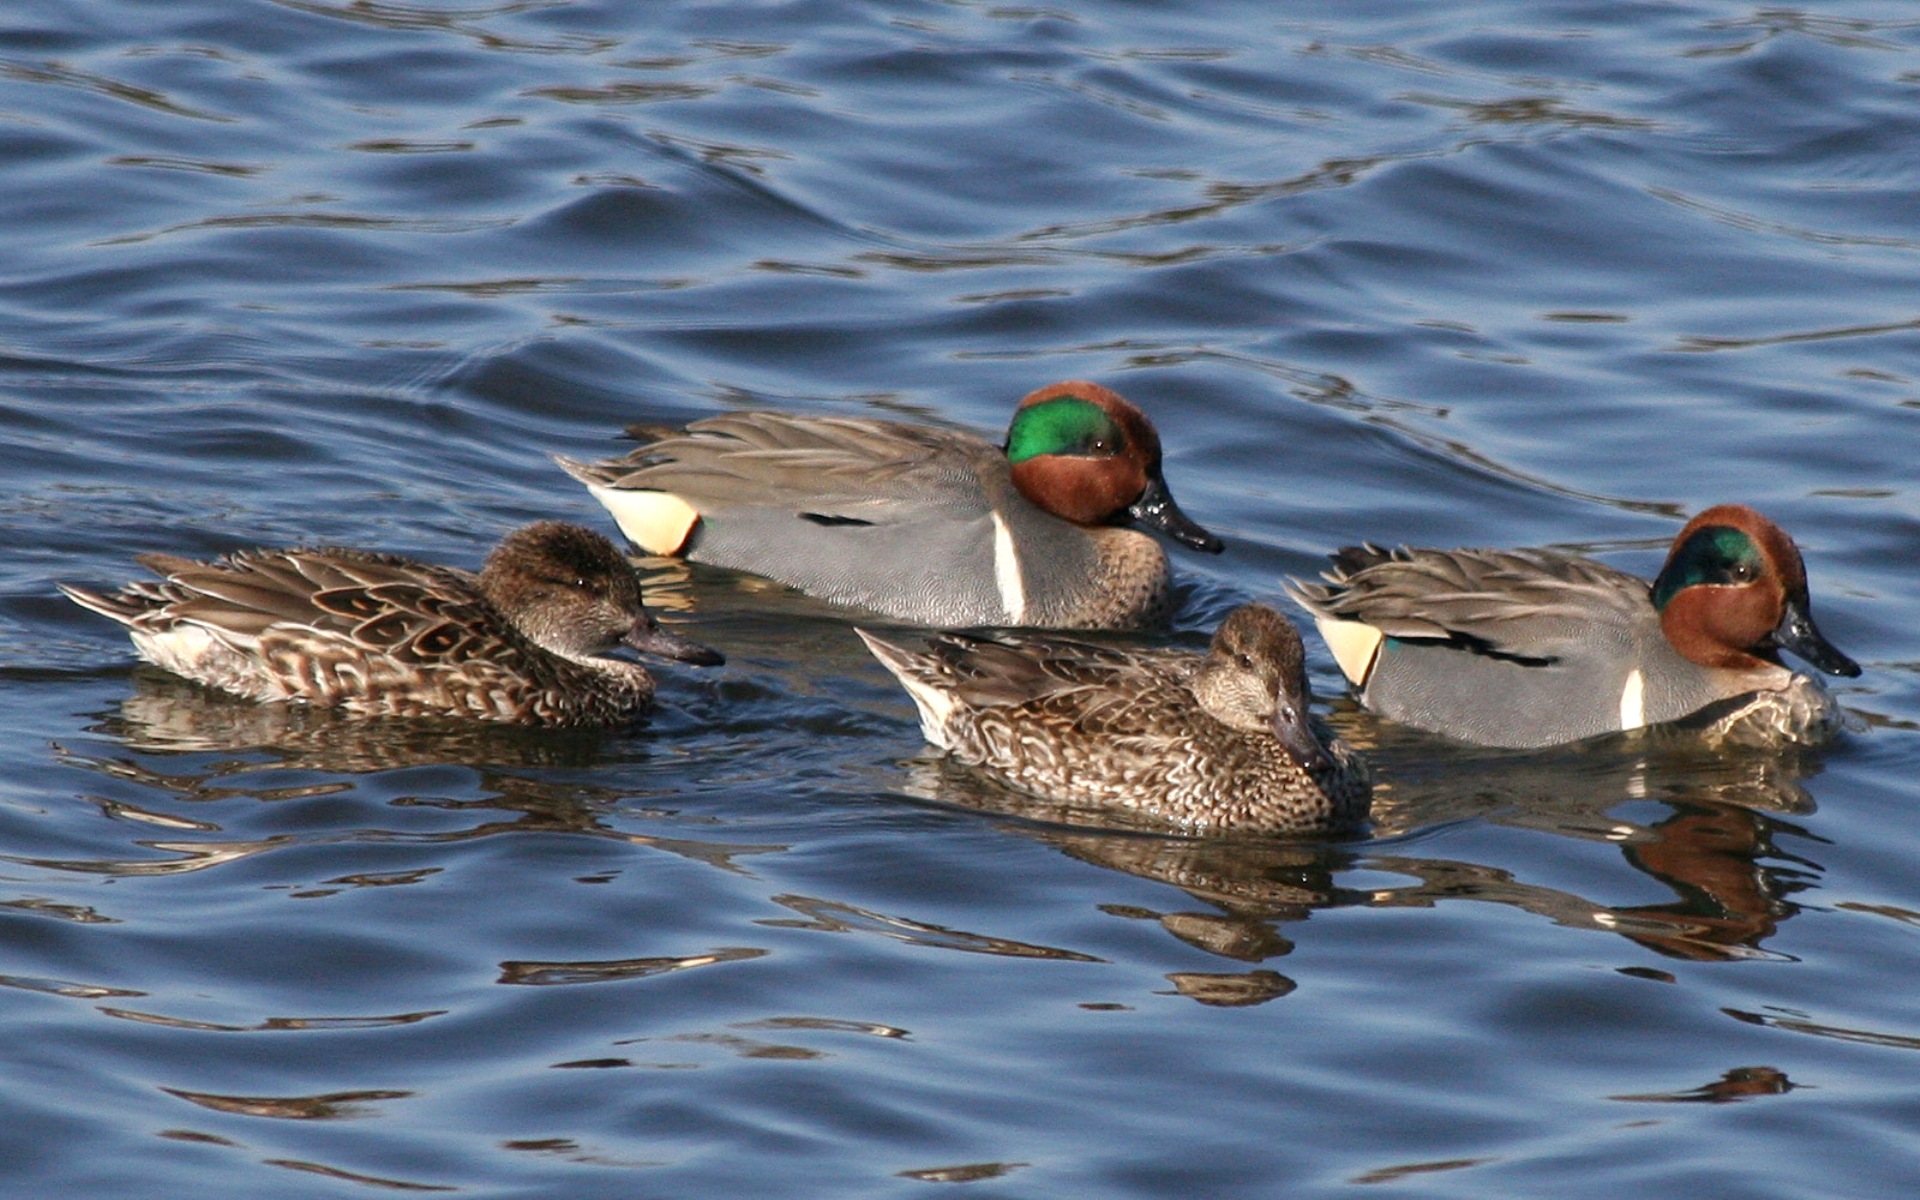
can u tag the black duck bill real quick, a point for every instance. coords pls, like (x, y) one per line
(649, 638)
(1797, 632)
(1156, 510)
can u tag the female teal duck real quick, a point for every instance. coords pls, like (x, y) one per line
(928, 526)
(526, 640)
(1220, 741)
(1531, 648)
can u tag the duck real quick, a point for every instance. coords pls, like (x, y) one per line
(920, 525)
(525, 641)
(1214, 742)
(1522, 649)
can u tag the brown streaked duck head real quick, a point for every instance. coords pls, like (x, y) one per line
(568, 590)
(1733, 594)
(1254, 679)
(1084, 453)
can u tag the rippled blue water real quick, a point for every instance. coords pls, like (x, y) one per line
(1468, 273)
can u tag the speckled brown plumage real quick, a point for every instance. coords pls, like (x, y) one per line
(1216, 741)
(379, 635)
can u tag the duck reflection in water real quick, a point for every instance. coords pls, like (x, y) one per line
(192, 747)
(1714, 845)
(1249, 884)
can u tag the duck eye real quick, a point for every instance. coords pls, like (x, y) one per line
(1245, 661)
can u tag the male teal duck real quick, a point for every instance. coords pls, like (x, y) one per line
(526, 640)
(1216, 742)
(1529, 648)
(928, 526)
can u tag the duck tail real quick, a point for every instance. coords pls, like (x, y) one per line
(117, 607)
(919, 675)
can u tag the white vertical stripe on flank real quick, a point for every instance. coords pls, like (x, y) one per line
(1006, 572)
(1633, 701)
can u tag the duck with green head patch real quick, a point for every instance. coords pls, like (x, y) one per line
(1533, 648)
(932, 526)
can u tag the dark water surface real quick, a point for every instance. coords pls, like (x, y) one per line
(1474, 272)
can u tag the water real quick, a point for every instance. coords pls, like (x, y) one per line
(1468, 273)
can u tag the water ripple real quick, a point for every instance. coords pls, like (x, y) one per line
(275, 1024)
(1478, 273)
(541, 974)
(60, 75)
(333, 1106)
(828, 916)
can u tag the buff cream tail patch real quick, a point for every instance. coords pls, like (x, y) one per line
(1355, 646)
(657, 522)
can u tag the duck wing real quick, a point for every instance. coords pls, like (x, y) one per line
(901, 520)
(375, 603)
(1521, 604)
(829, 467)
(1068, 683)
